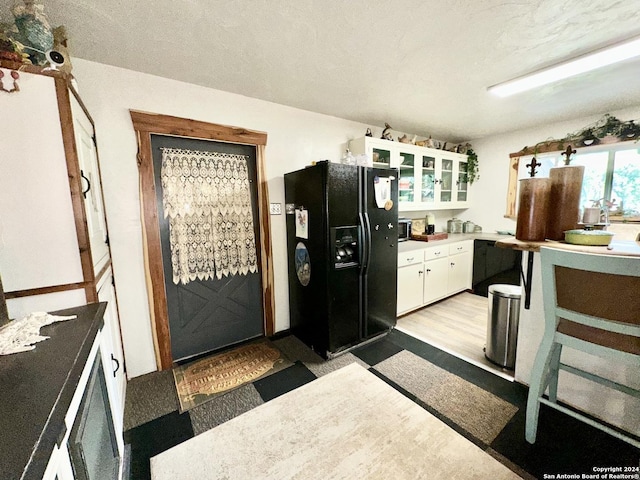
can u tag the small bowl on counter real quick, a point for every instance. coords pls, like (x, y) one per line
(594, 238)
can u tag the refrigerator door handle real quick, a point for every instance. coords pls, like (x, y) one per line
(362, 243)
(367, 240)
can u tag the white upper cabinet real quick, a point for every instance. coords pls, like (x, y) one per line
(38, 241)
(53, 235)
(429, 179)
(91, 186)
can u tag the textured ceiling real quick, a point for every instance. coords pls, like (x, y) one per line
(422, 66)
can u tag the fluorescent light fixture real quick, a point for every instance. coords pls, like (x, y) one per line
(582, 64)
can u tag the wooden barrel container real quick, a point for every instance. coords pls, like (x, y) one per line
(533, 209)
(564, 200)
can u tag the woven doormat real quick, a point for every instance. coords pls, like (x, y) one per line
(212, 376)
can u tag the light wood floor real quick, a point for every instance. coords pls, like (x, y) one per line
(457, 325)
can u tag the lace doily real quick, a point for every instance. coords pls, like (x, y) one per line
(207, 199)
(22, 335)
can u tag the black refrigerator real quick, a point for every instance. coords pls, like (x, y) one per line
(342, 249)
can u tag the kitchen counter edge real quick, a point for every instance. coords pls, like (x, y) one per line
(410, 245)
(617, 247)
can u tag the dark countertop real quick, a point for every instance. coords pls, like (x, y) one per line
(36, 389)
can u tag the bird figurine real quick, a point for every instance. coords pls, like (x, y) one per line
(386, 135)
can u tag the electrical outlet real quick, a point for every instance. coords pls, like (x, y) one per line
(275, 208)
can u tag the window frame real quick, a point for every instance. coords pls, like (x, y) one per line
(527, 154)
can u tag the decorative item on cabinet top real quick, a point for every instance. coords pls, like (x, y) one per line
(31, 40)
(15, 88)
(427, 142)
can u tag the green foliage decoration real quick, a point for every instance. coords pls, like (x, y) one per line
(473, 171)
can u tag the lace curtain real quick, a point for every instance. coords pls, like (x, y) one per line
(207, 199)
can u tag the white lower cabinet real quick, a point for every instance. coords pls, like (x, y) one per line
(460, 267)
(113, 357)
(410, 287)
(92, 445)
(433, 273)
(435, 280)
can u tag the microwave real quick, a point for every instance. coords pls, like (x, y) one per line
(404, 229)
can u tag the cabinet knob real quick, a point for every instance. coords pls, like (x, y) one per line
(453, 264)
(420, 272)
(428, 270)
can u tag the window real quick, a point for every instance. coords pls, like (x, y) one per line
(612, 174)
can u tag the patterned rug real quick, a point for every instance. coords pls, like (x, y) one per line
(209, 377)
(479, 412)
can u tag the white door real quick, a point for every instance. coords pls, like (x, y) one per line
(112, 348)
(91, 185)
(459, 272)
(435, 279)
(409, 287)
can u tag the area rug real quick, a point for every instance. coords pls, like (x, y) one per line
(208, 377)
(477, 411)
(347, 424)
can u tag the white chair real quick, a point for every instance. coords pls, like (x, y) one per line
(592, 304)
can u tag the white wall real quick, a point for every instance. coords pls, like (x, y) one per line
(295, 138)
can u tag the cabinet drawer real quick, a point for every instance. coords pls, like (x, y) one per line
(409, 258)
(461, 247)
(436, 252)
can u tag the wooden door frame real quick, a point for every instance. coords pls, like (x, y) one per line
(145, 124)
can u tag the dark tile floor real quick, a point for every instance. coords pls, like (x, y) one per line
(564, 445)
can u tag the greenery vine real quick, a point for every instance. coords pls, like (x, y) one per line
(473, 171)
(607, 129)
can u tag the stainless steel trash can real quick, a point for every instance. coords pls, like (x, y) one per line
(502, 324)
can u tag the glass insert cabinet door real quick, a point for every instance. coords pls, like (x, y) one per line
(428, 177)
(381, 157)
(92, 443)
(461, 182)
(407, 180)
(446, 180)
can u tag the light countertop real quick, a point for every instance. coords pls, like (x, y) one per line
(411, 245)
(617, 247)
